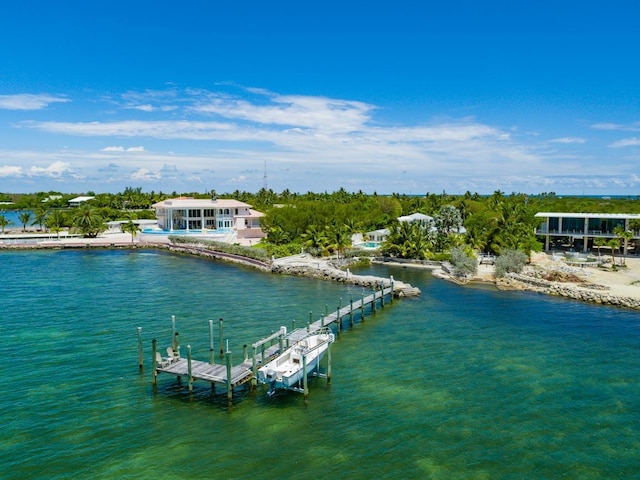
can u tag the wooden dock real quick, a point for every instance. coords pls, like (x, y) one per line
(263, 351)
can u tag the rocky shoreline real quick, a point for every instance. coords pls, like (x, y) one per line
(586, 292)
(303, 265)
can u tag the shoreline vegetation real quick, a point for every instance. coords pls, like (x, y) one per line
(587, 284)
(449, 234)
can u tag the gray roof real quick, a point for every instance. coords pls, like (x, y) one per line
(612, 216)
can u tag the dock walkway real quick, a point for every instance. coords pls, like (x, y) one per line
(264, 350)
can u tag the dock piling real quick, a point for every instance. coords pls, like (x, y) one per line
(351, 310)
(173, 333)
(229, 379)
(189, 368)
(391, 284)
(211, 355)
(154, 362)
(304, 377)
(140, 359)
(221, 338)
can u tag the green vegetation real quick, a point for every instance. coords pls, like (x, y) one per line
(249, 252)
(510, 261)
(4, 222)
(464, 262)
(323, 223)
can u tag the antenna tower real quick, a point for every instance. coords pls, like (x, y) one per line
(264, 179)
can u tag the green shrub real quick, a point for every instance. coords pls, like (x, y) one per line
(463, 264)
(510, 261)
(234, 249)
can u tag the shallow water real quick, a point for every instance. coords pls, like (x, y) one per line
(459, 383)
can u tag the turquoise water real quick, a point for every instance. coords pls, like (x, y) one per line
(14, 217)
(460, 383)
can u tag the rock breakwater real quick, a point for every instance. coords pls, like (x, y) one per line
(326, 272)
(586, 292)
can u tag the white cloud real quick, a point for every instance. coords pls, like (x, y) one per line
(122, 149)
(626, 142)
(568, 140)
(55, 170)
(633, 127)
(26, 101)
(143, 174)
(307, 141)
(10, 171)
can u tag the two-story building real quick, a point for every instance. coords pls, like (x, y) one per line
(215, 216)
(578, 231)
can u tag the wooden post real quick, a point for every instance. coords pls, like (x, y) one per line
(293, 324)
(338, 321)
(154, 363)
(173, 333)
(382, 294)
(373, 303)
(351, 309)
(310, 317)
(391, 284)
(254, 367)
(229, 384)
(221, 338)
(245, 355)
(211, 355)
(329, 363)
(326, 310)
(140, 359)
(189, 368)
(362, 307)
(281, 342)
(176, 352)
(304, 377)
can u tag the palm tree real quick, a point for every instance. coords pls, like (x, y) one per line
(25, 218)
(41, 214)
(88, 221)
(314, 237)
(338, 238)
(625, 236)
(614, 243)
(277, 236)
(599, 242)
(4, 222)
(55, 222)
(131, 228)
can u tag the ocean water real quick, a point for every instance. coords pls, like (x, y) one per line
(459, 383)
(13, 216)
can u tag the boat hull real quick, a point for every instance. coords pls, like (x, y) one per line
(286, 372)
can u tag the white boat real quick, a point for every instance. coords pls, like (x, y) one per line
(287, 370)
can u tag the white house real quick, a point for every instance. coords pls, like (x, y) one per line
(75, 202)
(185, 214)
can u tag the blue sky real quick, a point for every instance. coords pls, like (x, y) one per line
(403, 96)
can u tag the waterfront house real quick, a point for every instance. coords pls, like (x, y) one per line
(76, 202)
(209, 216)
(577, 231)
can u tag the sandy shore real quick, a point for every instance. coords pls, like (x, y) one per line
(625, 282)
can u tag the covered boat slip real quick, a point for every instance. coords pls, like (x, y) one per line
(312, 341)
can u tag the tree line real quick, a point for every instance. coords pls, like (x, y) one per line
(324, 223)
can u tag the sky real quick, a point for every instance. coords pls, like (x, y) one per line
(407, 97)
